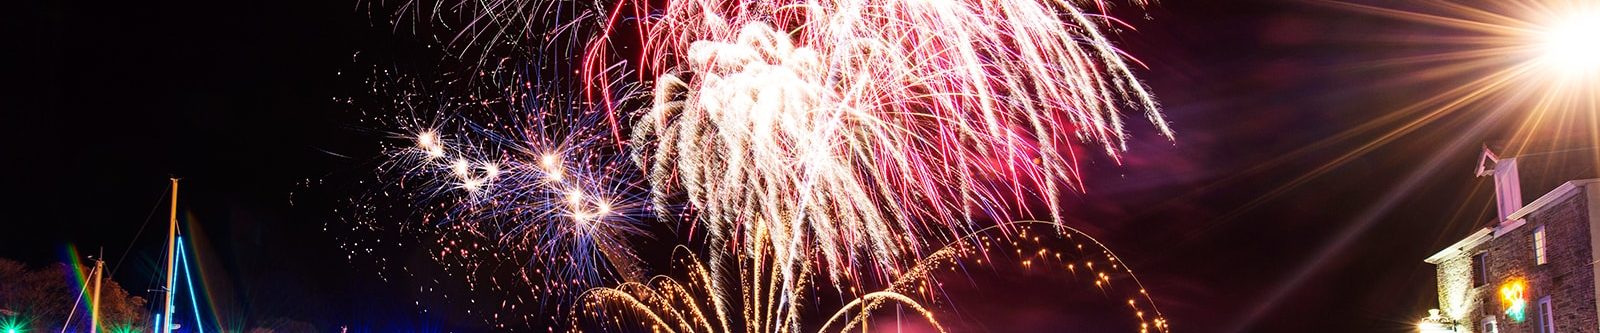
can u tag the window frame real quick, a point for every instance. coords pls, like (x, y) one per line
(1480, 269)
(1541, 252)
(1547, 317)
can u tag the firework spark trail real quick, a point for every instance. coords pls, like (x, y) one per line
(842, 138)
(569, 212)
(864, 126)
(486, 33)
(695, 304)
(974, 245)
(669, 305)
(540, 180)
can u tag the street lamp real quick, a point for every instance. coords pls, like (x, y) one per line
(1436, 323)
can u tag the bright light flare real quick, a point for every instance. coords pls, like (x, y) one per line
(574, 197)
(1496, 60)
(1572, 44)
(428, 141)
(461, 168)
(13, 324)
(551, 164)
(491, 170)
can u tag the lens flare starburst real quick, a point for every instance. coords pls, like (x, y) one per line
(1569, 43)
(1539, 56)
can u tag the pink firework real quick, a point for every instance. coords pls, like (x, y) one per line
(859, 132)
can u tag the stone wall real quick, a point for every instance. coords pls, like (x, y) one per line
(1568, 277)
(1457, 297)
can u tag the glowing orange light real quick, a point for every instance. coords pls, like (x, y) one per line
(1511, 295)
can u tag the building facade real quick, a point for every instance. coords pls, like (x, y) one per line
(1532, 271)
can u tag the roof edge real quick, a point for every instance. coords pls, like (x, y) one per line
(1484, 234)
(1470, 241)
(1549, 197)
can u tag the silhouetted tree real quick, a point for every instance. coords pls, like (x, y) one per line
(42, 298)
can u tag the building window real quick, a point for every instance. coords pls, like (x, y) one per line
(1480, 269)
(1490, 326)
(1538, 246)
(1547, 317)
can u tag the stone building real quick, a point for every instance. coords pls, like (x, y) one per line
(1532, 271)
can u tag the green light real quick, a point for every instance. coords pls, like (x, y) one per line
(123, 328)
(12, 325)
(1511, 295)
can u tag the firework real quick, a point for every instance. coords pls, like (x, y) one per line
(694, 304)
(510, 186)
(568, 207)
(867, 142)
(858, 128)
(526, 170)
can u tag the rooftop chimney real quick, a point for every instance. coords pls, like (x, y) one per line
(1507, 188)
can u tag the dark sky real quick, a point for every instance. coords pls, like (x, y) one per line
(102, 102)
(107, 100)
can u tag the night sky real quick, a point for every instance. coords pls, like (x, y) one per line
(1232, 226)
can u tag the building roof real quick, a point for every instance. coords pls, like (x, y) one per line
(1560, 192)
(1466, 243)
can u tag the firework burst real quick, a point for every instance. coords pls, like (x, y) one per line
(530, 172)
(694, 303)
(866, 142)
(857, 128)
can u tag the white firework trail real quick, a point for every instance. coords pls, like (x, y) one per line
(843, 138)
(860, 131)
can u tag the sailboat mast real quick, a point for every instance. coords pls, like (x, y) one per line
(94, 309)
(172, 258)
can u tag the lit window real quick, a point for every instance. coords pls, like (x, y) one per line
(1538, 246)
(1547, 317)
(1480, 269)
